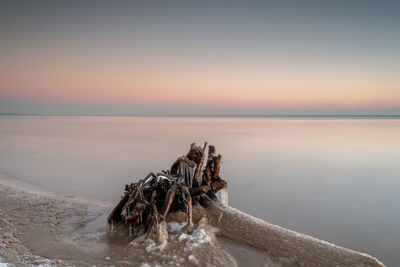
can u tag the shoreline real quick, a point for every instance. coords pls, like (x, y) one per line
(42, 228)
(39, 229)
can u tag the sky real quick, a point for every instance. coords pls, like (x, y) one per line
(200, 57)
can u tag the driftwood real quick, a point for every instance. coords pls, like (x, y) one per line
(147, 202)
(289, 248)
(200, 165)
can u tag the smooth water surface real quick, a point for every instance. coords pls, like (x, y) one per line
(335, 179)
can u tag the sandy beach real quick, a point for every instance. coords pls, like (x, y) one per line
(45, 228)
(40, 228)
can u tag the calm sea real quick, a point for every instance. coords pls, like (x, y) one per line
(333, 178)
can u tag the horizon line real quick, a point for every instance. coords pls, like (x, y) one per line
(210, 115)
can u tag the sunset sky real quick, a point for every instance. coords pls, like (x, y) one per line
(200, 57)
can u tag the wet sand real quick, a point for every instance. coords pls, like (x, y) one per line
(41, 228)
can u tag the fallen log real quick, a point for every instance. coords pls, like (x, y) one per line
(148, 202)
(292, 248)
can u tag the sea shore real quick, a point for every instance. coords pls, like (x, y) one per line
(40, 227)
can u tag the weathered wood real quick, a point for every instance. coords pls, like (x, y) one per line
(134, 194)
(200, 165)
(152, 197)
(198, 191)
(188, 201)
(170, 197)
(295, 249)
(116, 212)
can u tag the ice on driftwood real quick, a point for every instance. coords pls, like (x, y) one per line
(223, 196)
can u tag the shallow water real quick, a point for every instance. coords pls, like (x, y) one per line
(334, 179)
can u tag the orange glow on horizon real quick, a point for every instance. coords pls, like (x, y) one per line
(219, 86)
